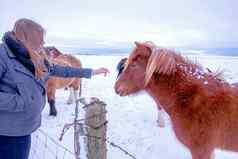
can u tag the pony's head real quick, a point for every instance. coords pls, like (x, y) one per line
(52, 52)
(145, 60)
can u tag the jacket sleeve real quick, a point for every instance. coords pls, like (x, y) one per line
(67, 71)
(9, 102)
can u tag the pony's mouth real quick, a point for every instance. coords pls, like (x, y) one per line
(121, 93)
(126, 92)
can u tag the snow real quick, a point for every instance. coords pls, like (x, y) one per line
(132, 120)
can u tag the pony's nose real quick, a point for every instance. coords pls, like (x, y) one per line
(119, 91)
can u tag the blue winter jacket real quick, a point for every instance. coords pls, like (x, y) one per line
(22, 96)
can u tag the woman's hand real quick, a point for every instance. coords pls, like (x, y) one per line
(104, 71)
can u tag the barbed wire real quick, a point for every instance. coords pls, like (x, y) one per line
(46, 147)
(112, 144)
(79, 130)
(85, 126)
(55, 142)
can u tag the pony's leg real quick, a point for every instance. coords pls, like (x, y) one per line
(160, 118)
(51, 101)
(203, 153)
(79, 88)
(212, 155)
(71, 96)
(76, 94)
(53, 111)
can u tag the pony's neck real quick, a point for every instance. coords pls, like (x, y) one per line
(162, 91)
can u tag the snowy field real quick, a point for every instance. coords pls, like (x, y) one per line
(132, 120)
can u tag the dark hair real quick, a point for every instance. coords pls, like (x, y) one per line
(121, 65)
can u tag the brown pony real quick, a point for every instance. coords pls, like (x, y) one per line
(202, 106)
(74, 84)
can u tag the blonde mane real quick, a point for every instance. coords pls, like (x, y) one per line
(167, 62)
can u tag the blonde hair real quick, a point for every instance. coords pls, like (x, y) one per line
(31, 35)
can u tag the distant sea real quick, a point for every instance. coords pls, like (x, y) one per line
(126, 51)
(211, 51)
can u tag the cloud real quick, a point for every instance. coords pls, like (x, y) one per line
(177, 23)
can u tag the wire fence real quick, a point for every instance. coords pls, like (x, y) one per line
(46, 147)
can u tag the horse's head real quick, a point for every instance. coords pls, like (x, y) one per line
(131, 77)
(145, 60)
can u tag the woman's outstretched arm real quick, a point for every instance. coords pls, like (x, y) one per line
(67, 71)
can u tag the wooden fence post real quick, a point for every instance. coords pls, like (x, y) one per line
(76, 132)
(96, 123)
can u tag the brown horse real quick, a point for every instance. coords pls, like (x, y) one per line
(202, 106)
(74, 84)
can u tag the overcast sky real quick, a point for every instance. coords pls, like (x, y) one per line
(200, 23)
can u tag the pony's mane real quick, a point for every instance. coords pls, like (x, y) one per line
(52, 48)
(49, 48)
(71, 57)
(168, 62)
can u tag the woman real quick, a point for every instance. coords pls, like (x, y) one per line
(23, 73)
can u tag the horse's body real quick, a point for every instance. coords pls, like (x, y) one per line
(202, 106)
(55, 83)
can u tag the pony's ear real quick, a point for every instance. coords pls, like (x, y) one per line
(161, 61)
(138, 44)
(150, 45)
(57, 52)
(147, 44)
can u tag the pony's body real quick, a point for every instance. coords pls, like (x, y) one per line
(204, 116)
(203, 108)
(55, 83)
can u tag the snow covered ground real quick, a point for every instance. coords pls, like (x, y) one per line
(132, 120)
